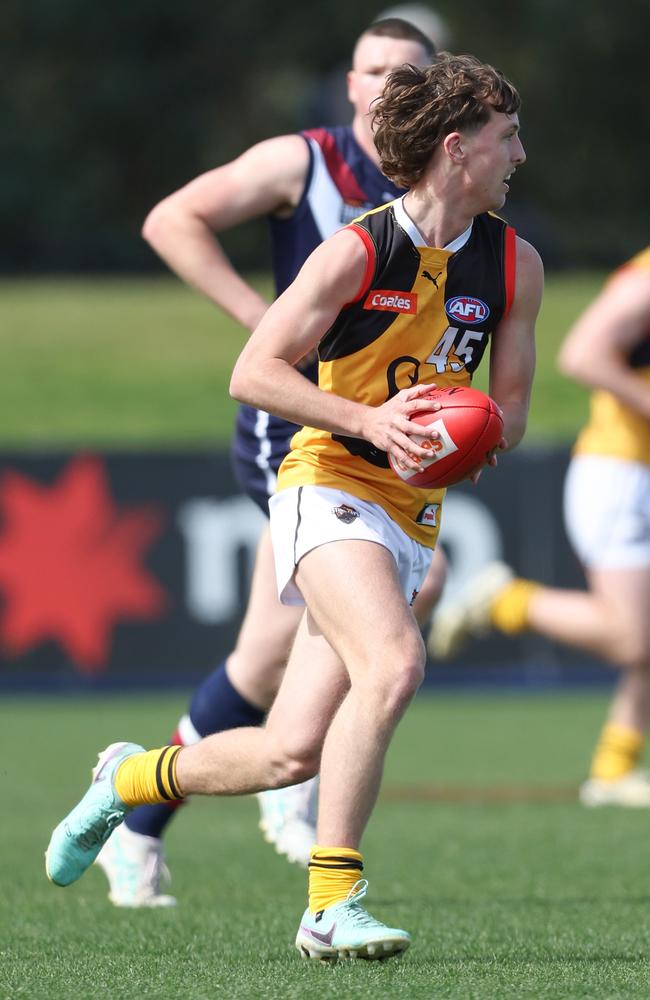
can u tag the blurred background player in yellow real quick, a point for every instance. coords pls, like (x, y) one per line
(308, 185)
(607, 514)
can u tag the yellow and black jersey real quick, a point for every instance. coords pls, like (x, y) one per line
(614, 429)
(422, 315)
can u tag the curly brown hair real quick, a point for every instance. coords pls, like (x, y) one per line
(419, 107)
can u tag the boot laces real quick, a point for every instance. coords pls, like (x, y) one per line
(98, 832)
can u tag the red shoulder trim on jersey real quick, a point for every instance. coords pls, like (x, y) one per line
(510, 267)
(339, 170)
(371, 261)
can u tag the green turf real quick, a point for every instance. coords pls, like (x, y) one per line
(147, 362)
(522, 900)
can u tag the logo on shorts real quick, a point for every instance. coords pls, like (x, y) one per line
(390, 301)
(429, 515)
(345, 513)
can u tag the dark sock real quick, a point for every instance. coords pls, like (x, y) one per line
(215, 707)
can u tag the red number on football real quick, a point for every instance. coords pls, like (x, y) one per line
(470, 427)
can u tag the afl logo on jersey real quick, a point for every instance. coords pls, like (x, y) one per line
(390, 301)
(466, 309)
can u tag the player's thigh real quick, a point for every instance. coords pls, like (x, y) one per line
(353, 590)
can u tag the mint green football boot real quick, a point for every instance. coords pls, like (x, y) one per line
(346, 930)
(78, 839)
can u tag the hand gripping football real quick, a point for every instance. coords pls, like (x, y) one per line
(470, 426)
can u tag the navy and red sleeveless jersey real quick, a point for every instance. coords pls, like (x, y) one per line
(342, 183)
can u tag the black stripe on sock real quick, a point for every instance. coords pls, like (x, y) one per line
(170, 772)
(337, 863)
(159, 782)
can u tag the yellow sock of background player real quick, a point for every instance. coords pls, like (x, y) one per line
(333, 871)
(509, 610)
(617, 752)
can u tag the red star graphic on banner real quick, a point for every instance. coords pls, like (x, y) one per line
(70, 563)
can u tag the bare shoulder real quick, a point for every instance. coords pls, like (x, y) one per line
(618, 316)
(629, 288)
(283, 159)
(269, 177)
(528, 259)
(529, 281)
(338, 265)
(344, 249)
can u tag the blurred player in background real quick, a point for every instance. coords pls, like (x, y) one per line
(607, 513)
(352, 541)
(308, 185)
(329, 100)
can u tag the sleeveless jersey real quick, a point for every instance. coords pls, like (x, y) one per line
(422, 315)
(614, 429)
(342, 183)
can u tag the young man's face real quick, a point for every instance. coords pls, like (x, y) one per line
(374, 58)
(494, 151)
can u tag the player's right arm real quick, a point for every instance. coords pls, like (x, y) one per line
(268, 178)
(266, 375)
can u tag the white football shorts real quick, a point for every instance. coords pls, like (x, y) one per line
(304, 517)
(607, 512)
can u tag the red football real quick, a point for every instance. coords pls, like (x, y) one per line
(470, 426)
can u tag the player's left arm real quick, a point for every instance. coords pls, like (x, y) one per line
(512, 354)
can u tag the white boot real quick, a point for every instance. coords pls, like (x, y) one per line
(288, 819)
(134, 865)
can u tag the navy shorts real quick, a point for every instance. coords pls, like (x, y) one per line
(251, 480)
(259, 446)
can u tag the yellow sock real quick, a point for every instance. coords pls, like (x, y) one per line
(509, 611)
(150, 777)
(617, 752)
(332, 873)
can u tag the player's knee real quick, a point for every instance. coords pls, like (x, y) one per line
(409, 679)
(395, 684)
(293, 771)
(292, 763)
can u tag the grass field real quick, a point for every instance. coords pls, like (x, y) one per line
(513, 892)
(147, 362)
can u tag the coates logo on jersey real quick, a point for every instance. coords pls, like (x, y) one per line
(389, 301)
(466, 309)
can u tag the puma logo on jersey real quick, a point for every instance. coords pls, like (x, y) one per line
(429, 277)
(429, 515)
(390, 301)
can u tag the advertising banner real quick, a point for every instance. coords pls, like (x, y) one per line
(131, 569)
